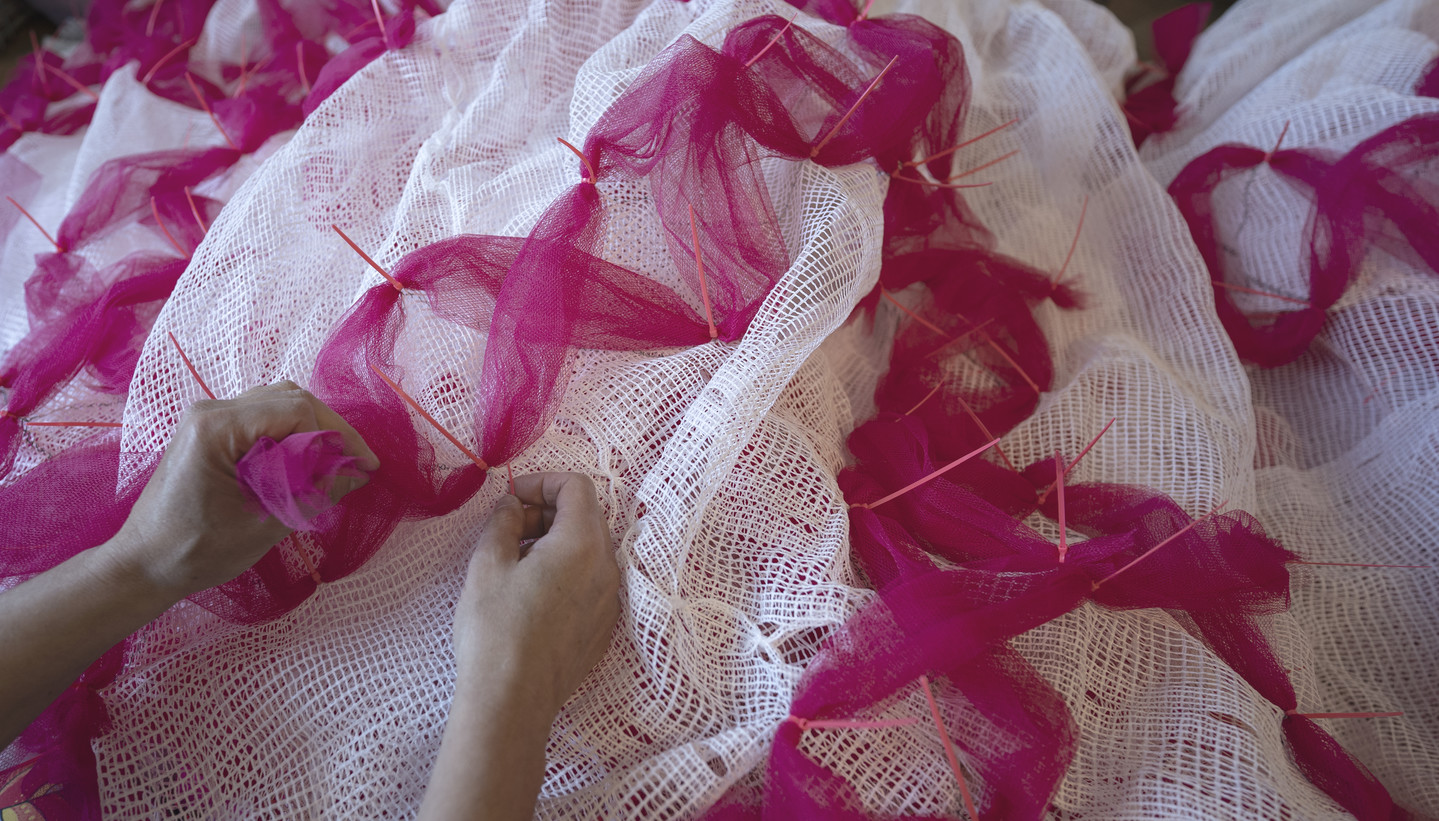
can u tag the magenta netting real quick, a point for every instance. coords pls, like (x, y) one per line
(90, 323)
(958, 562)
(1373, 196)
(722, 120)
(291, 479)
(1149, 102)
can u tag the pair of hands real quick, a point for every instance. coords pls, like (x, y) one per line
(537, 616)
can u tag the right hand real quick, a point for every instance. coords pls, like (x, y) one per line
(534, 621)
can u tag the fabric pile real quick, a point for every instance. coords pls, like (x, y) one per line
(961, 458)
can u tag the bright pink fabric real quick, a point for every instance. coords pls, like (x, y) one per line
(101, 335)
(91, 324)
(1428, 85)
(695, 121)
(693, 128)
(1149, 103)
(1267, 340)
(1374, 195)
(291, 479)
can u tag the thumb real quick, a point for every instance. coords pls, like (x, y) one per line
(500, 540)
(346, 484)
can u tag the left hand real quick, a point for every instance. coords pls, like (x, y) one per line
(191, 529)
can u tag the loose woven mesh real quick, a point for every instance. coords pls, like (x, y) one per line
(129, 120)
(661, 432)
(737, 569)
(1346, 451)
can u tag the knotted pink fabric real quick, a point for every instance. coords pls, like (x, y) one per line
(84, 321)
(1373, 195)
(1273, 339)
(1149, 102)
(291, 479)
(691, 130)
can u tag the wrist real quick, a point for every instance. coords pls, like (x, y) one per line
(122, 565)
(505, 697)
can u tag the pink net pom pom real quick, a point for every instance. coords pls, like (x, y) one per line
(291, 479)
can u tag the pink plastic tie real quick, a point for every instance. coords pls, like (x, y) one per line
(1059, 486)
(1278, 142)
(1082, 453)
(700, 266)
(949, 749)
(75, 84)
(980, 168)
(912, 485)
(156, 212)
(1298, 714)
(772, 41)
(188, 364)
(1147, 553)
(395, 283)
(593, 177)
(190, 78)
(409, 400)
(1074, 244)
(154, 15)
(847, 724)
(204, 229)
(968, 142)
(150, 75)
(814, 152)
(37, 224)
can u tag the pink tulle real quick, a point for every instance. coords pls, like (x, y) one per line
(93, 323)
(695, 121)
(1428, 85)
(1149, 102)
(1372, 195)
(291, 479)
(102, 334)
(691, 130)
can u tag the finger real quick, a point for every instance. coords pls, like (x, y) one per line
(557, 491)
(541, 492)
(325, 419)
(227, 429)
(274, 415)
(355, 446)
(537, 520)
(343, 485)
(272, 388)
(500, 540)
(276, 411)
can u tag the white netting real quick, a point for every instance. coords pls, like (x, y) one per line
(1346, 449)
(129, 120)
(716, 465)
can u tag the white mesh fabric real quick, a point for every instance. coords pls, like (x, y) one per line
(663, 434)
(1346, 434)
(128, 120)
(716, 464)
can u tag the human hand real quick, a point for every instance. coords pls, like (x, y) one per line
(191, 528)
(535, 620)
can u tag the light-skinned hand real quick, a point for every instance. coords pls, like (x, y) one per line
(190, 528)
(542, 613)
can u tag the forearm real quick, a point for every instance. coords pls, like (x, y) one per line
(492, 757)
(56, 624)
